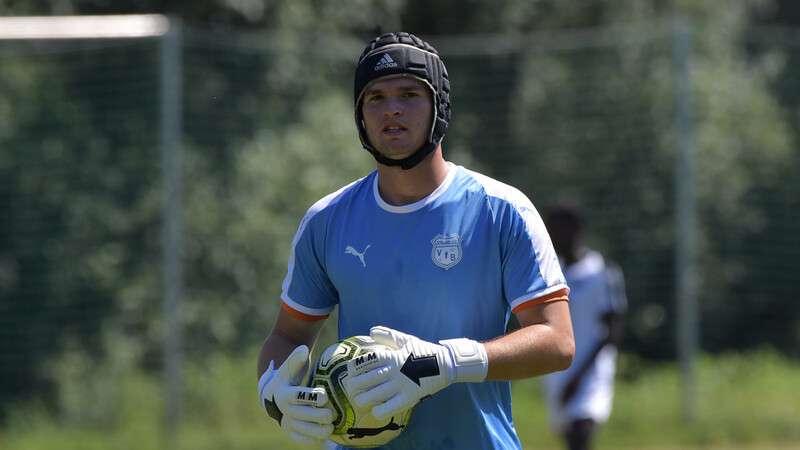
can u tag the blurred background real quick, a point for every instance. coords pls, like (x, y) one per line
(150, 186)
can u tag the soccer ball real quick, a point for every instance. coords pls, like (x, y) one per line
(353, 427)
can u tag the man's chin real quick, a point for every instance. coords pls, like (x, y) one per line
(396, 154)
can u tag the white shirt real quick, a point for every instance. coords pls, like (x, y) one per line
(596, 289)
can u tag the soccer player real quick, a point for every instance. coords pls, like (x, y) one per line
(579, 398)
(428, 258)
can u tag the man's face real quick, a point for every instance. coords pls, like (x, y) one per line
(398, 113)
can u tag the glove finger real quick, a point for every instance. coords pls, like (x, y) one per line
(292, 368)
(310, 435)
(366, 381)
(377, 395)
(310, 429)
(299, 395)
(371, 361)
(395, 405)
(310, 414)
(391, 338)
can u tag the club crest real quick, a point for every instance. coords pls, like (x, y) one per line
(446, 251)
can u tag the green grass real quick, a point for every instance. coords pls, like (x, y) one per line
(746, 401)
(743, 401)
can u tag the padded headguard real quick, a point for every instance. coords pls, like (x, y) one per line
(403, 54)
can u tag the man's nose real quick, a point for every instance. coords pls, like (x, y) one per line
(393, 108)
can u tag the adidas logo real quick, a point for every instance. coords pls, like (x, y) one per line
(385, 63)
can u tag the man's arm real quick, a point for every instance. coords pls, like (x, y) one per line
(414, 369)
(615, 330)
(544, 344)
(614, 322)
(283, 360)
(287, 334)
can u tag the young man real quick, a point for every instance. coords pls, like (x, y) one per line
(579, 398)
(428, 258)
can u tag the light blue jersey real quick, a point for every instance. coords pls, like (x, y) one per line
(454, 264)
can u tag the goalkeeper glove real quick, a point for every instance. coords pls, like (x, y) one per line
(299, 410)
(398, 379)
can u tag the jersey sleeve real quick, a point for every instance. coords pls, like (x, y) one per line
(531, 272)
(308, 293)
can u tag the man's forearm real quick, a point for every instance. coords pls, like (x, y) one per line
(277, 348)
(531, 351)
(287, 334)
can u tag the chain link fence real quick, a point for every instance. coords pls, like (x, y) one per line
(265, 128)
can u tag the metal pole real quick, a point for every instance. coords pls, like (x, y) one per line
(171, 98)
(685, 219)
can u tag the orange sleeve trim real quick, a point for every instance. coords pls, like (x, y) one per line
(558, 295)
(302, 316)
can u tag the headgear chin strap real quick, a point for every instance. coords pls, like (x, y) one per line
(403, 54)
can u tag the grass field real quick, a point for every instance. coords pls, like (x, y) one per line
(744, 401)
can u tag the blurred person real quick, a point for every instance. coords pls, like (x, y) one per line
(579, 399)
(428, 258)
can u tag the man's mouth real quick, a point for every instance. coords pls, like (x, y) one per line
(393, 128)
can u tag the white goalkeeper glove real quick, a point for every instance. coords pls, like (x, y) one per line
(396, 380)
(300, 411)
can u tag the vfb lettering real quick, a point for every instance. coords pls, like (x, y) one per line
(447, 250)
(446, 254)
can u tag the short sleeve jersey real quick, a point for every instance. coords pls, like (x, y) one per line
(455, 264)
(597, 289)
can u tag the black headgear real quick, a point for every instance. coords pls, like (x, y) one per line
(403, 54)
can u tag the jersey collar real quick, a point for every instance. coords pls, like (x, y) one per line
(451, 174)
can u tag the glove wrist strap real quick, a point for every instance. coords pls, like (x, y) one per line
(265, 377)
(469, 360)
(268, 404)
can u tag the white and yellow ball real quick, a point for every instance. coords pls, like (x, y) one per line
(353, 427)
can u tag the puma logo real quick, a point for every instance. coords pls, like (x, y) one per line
(351, 251)
(358, 433)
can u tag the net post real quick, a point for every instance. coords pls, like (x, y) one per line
(171, 67)
(685, 219)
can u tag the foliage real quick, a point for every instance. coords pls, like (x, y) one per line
(77, 188)
(246, 268)
(268, 130)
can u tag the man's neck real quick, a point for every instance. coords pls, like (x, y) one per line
(399, 187)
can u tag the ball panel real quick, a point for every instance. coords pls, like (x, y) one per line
(352, 427)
